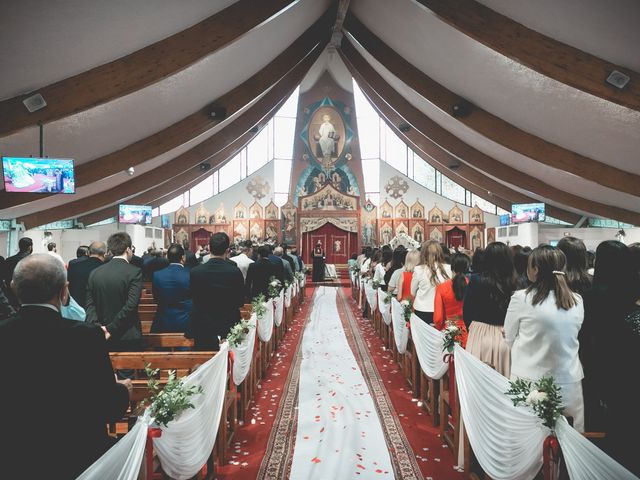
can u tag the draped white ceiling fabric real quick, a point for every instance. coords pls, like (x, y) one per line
(400, 329)
(265, 322)
(243, 353)
(187, 442)
(428, 342)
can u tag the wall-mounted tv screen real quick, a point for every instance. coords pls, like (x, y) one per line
(135, 214)
(165, 222)
(505, 219)
(527, 212)
(38, 175)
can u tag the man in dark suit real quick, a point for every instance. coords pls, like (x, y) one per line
(155, 263)
(279, 270)
(82, 253)
(288, 271)
(136, 261)
(25, 247)
(217, 289)
(78, 272)
(172, 294)
(259, 273)
(113, 294)
(79, 384)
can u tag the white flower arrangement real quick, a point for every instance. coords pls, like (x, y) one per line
(238, 333)
(258, 305)
(388, 297)
(173, 399)
(543, 397)
(452, 335)
(274, 288)
(407, 308)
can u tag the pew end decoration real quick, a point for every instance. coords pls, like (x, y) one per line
(452, 335)
(275, 286)
(240, 330)
(166, 404)
(543, 397)
(407, 309)
(388, 297)
(258, 305)
(375, 284)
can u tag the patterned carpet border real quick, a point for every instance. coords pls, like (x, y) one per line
(404, 462)
(278, 456)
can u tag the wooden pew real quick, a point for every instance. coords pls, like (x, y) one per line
(155, 341)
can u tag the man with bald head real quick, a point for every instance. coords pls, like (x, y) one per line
(78, 272)
(57, 370)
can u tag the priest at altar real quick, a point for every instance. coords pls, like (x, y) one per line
(318, 263)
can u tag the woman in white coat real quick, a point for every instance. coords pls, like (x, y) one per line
(542, 326)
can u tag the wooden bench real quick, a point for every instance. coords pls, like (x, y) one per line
(171, 341)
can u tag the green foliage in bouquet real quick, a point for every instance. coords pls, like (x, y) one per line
(375, 284)
(167, 403)
(407, 308)
(388, 297)
(452, 335)
(542, 396)
(239, 332)
(258, 305)
(274, 288)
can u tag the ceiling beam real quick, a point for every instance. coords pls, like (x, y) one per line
(257, 113)
(478, 160)
(489, 125)
(140, 68)
(193, 125)
(175, 185)
(470, 178)
(547, 56)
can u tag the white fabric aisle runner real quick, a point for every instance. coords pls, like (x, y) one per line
(339, 434)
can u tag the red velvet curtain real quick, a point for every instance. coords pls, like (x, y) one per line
(338, 244)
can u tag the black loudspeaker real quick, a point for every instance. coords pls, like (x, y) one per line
(404, 127)
(255, 129)
(461, 108)
(219, 113)
(454, 166)
(204, 167)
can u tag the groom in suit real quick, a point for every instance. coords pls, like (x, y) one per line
(113, 294)
(55, 370)
(172, 294)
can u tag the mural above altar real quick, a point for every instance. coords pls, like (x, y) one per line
(327, 199)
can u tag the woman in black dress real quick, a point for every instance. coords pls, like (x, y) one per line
(318, 263)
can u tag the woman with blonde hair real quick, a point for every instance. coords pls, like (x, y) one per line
(431, 272)
(542, 326)
(403, 288)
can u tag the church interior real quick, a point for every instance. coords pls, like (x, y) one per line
(355, 238)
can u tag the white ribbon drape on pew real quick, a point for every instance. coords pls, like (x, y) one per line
(507, 440)
(371, 294)
(287, 296)
(428, 342)
(185, 444)
(385, 308)
(243, 353)
(584, 459)
(123, 460)
(400, 330)
(265, 322)
(279, 308)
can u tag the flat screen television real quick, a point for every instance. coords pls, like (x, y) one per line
(140, 214)
(165, 222)
(505, 220)
(527, 212)
(38, 175)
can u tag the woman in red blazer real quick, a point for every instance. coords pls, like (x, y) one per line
(449, 297)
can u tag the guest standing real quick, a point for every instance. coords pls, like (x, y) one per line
(82, 253)
(449, 297)
(278, 264)
(259, 273)
(171, 291)
(288, 272)
(25, 247)
(244, 259)
(403, 290)
(542, 326)
(113, 295)
(431, 272)
(78, 273)
(54, 369)
(217, 289)
(394, 271)
(318, 263)
(575, 251)
(485, 306)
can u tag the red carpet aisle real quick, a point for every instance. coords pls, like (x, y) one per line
(434, 458)
(251, 439)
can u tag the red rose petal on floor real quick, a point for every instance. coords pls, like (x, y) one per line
(361, 467)
(315, 460)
